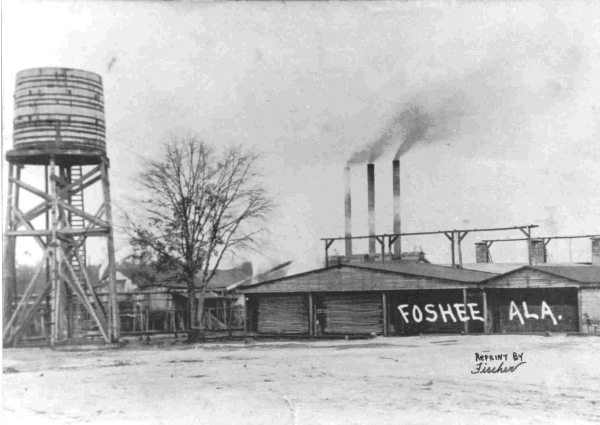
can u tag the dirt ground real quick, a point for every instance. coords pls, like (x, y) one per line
(417, 380)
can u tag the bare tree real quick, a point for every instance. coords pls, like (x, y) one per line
(198, 204)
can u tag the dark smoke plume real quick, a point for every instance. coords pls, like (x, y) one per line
(427, 116)
(486, 105)
(438, 119)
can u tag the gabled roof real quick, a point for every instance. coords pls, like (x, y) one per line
(577, 273)
(429, 270)
(495, 268)
(418, 270)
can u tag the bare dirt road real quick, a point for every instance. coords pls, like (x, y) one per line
(417, 380)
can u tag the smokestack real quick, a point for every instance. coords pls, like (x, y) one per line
(371, 189)
(538, 250)
(482, 253)
(348, 212)
(396, 194)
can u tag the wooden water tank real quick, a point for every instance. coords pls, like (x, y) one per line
(60, 112)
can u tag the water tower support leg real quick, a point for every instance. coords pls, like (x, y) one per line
(114, 325)
(8, 270)
(54, 264)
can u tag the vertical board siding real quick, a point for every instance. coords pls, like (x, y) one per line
(288, 314)
(590, 310)
(353, 314)
(562, 303)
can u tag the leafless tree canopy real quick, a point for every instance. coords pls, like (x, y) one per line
(198, 203)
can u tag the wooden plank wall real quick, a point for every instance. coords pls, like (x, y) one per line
(353, 313)
(288, 315)
(342, 280)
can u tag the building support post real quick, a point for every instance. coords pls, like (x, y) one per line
(311, 316)
(328, 243)
(385, 314)
(487, 252)
(245, 316)
(381, 241)
(485, 313)
(461, 236)
(466, 322)
(579, 315)
(450, 236)
(392, 241)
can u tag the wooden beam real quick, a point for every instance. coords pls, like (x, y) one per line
(29, 233)
(27, 316)
(75, 284)
(438, 232)
(47, 205)
(29, 226)
(88, 217)
(67, 187)
(38, 210)
(58, 179)
(83, 232)
(65, 192)
(86, 278)
(54, 264)
(26, 296)
(31, 189)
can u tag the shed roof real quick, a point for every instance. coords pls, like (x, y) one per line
(577, 273)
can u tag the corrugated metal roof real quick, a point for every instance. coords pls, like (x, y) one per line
(429, 270)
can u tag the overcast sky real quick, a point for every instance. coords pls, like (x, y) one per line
(509, 93)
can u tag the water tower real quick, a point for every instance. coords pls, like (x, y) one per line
(59, 128)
